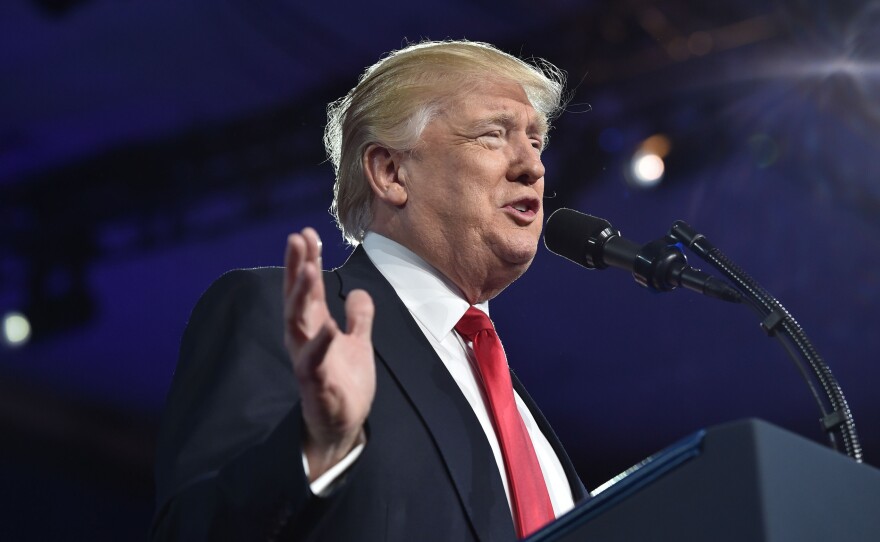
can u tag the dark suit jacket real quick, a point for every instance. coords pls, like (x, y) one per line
(229, 457)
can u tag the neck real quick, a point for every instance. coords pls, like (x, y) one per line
(475, 283)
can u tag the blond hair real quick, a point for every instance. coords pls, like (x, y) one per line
(398, 96)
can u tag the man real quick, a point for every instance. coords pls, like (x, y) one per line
(295, 414)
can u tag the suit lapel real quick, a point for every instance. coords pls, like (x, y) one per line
(413, 363)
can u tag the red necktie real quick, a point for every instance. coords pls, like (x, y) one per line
(532, 508)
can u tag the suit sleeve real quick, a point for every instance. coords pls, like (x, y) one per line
(229, 457)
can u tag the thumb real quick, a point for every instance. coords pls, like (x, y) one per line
(359, 312)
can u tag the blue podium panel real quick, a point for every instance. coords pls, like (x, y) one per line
(745, 481)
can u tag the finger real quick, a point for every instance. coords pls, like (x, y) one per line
(301, 318)
(359, 311)
(305, 308)
(313, 245)
(294, 256)
(313, 254)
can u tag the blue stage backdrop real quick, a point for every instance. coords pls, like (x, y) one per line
(148, 147)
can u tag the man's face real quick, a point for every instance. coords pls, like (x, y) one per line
(475, 185)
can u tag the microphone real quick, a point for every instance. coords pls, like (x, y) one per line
(660, 266)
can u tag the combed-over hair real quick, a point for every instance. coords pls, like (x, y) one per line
(398, 96)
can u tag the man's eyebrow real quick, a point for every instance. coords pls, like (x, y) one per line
(540, 126)
(506, 119)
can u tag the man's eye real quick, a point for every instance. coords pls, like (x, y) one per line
(493, 133)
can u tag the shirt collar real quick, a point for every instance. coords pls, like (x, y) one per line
(431, 298)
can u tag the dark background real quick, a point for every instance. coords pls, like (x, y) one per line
(148, 146)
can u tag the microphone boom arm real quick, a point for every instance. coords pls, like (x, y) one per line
(777, 321)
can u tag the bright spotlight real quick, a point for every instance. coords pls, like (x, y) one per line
(646, 169)
(16, 329)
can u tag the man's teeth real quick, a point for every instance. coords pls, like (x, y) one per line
(521, 208)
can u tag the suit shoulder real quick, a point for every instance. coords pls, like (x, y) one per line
(258, 277)
(248, 279)
(253, 286)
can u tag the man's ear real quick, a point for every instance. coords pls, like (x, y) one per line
(382, 169)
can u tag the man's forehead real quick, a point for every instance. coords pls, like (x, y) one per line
(494, 102)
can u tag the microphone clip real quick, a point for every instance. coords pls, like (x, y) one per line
(658, 265)
(662, 266)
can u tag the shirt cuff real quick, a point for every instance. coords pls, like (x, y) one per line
(330, 480)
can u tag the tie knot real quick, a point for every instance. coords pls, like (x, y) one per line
(473, 322)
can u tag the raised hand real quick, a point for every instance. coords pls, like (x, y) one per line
(335, 370)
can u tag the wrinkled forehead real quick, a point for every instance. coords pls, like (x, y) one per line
(504, 100)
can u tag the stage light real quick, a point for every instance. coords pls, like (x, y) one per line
(16, 329)
(646, 169)
(657, 144)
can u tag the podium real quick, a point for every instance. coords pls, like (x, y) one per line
(746, 481)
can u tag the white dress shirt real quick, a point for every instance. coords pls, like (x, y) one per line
(437, 305)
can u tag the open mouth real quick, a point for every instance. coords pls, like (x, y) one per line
(526, 208)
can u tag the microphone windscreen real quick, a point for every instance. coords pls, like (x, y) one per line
(568, 231)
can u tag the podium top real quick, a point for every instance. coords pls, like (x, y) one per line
(746, 480)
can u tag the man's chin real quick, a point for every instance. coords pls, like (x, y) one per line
(521, 257)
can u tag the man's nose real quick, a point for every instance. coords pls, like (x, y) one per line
(526, 166)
